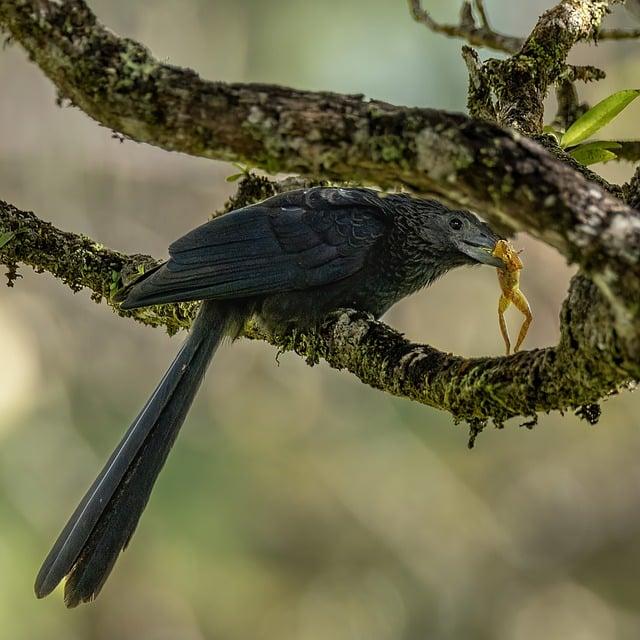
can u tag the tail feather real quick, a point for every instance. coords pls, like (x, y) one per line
(106, 518)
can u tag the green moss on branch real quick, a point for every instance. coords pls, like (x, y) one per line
(80, 263)
(581, 370)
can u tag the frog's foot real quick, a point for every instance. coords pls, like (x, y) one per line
(522, 304)
(503, 304)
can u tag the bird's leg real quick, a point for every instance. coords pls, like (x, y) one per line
(503, 305)
(522, 304)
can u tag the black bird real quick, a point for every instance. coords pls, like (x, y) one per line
(288, 260)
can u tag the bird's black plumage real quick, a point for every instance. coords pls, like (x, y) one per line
(289, 261)
(287, 243)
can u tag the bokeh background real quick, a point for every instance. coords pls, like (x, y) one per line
(298, 503)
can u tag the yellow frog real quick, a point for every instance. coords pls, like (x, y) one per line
(509, 279)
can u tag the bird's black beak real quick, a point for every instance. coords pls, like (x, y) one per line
(481, 251)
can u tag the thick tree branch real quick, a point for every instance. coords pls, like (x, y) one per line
(520, 83)
(119, 83)
(580, 370)
(511, 179)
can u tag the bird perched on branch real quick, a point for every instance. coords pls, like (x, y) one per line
(289, 260)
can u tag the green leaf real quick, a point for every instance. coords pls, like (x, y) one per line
(603, 113)
(593, 152)
(6, 237)
(599, 144)
(234, 177)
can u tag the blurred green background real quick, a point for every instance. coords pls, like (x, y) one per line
(298, 503)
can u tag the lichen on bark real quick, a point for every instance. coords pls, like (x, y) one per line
(516, 182)
(580, 370)
(81, 263)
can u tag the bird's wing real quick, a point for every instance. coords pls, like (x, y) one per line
(290, 242)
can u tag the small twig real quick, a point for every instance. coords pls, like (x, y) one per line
(478, 36)
(632, 190)
(629, 150)
(569, 106)
(617, 34)
(582, 73)
(467, 19)
(485, 36)
(482, 14)
(479, 99)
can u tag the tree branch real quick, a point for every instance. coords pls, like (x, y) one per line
(520, 83)
(481, 35)
(617, 34)
(632, 189)
(80, 263)
(475, 164)
(580, 370)
(511, 179)
(628, 150)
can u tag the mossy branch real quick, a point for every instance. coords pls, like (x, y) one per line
(512, 180)
(340, 137)
(80, 263)
(574, 373)
(474, 28)
(521, 81)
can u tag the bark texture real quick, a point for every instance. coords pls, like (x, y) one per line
(584, 367)
(499, 164)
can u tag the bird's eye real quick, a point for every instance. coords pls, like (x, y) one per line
(455, 223)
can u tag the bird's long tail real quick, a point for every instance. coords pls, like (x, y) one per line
(106, 518)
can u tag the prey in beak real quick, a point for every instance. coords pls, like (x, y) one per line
(481, 250)
(509, 279)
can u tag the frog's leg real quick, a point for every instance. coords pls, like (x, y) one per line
(503, 304)
(522, 304)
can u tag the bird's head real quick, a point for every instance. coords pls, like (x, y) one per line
(457, 235)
